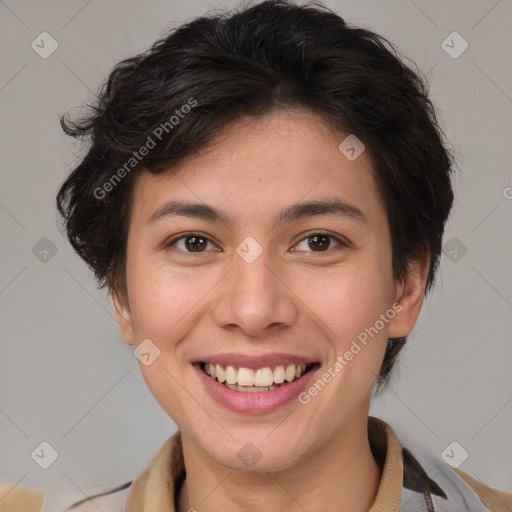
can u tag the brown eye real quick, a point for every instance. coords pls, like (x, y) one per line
(195, 243)
(191, 243)
(319, 242)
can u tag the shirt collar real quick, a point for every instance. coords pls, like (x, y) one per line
(156, 487)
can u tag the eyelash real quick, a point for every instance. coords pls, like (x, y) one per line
(340, 242)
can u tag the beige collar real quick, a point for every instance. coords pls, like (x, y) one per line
(155, 488)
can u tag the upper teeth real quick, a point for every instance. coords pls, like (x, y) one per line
(262, 377)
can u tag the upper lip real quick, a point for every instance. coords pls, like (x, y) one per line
(255, 362)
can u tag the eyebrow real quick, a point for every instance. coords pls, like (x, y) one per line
(332, 206)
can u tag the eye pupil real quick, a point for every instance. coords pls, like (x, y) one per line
(195, 243)
(319, 242)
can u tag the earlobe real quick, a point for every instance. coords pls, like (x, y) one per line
(123, 317)
(410, 295)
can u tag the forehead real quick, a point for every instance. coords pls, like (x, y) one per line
(258, 165)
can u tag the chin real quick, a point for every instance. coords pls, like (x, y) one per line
(259, 454)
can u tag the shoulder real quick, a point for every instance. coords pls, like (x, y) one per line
(494, 499)
(15, 498)
(429, 483)
(450, 488)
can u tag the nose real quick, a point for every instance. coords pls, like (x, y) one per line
(254, 298)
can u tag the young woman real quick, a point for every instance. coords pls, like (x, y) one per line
(265, 196)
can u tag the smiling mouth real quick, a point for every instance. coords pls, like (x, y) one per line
(239, 378)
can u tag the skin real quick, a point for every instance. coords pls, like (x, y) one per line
(291, 299)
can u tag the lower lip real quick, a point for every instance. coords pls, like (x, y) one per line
(254, 403)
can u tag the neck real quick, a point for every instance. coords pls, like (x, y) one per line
(343, 471)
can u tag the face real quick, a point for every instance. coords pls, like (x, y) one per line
(229, 263)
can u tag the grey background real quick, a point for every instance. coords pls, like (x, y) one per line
(66, 377)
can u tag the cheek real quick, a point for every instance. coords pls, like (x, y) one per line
(348, 300)
(351, 307)
(350, 304)
(164, 309)
(161, 300)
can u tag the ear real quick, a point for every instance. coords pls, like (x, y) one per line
(409, 294)
(123, 316)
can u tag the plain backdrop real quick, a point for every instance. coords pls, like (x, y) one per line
(65, 376)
